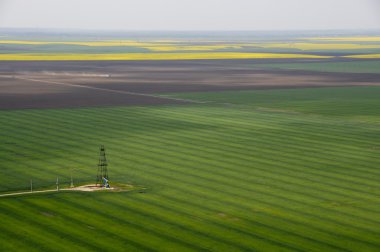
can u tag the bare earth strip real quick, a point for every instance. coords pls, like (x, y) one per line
(25, 193)
(83, 188)
(99, 84)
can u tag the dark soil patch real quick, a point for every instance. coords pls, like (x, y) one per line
(148, 77)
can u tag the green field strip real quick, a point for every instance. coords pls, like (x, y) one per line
(308, 224)
(243, 236)
(178, 203)
(98, 220)
(269, 232)
(257, 189)
(30, 241)
(156, 227)
(188, 147)
(150, 221)
(289, 97)
(239, 206)
(37, 234)
(65, 229)
(43, 151)
(266, 126)
(36, 173)
(297, 181)
(10, 242)
(341, 67)
(177, 179)
(237, 146)
(221, 164)
(180, 194)
(281, 111)
(97, 240)
(289, 183)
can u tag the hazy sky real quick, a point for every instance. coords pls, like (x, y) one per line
(191, 14)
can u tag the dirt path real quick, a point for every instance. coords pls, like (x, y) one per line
(24, 193)
(106, 90)
(84, 188)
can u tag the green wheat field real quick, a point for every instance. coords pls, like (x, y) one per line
(273, 170)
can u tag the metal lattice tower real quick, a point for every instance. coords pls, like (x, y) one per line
(102, 166)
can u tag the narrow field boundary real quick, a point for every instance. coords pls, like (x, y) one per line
(103, 89)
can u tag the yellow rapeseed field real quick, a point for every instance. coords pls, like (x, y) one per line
(191, 48)
(85, 43)
(155, 56)
(151, 45)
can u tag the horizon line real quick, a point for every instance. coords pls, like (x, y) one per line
(52, 29)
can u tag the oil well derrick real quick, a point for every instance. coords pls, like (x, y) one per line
(102, 166)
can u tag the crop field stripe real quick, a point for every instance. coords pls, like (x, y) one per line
(295, 147)
(67, 230)
(119, 219)
(151, 223)
(238, 195)
(38, 237)
(243, 236)
(292, 221)
(258, 226)
(266, 125)
(26, 232)
(99, 218)
(236, 173)
(185, 137)
(179, 206)
(169, 142)
(77, 235)
(356, 149)
(252, 195)
(12, 242)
